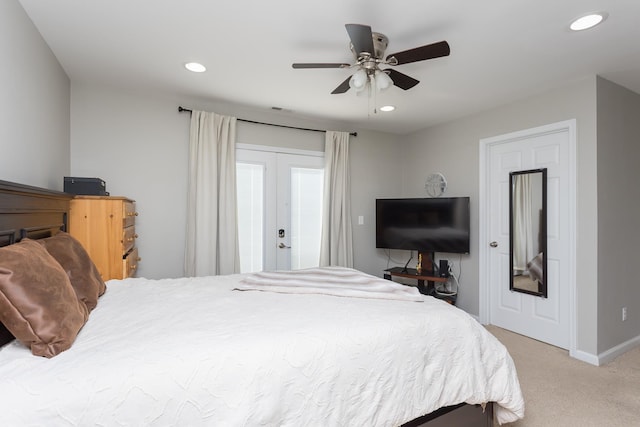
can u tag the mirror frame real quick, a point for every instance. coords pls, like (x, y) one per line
(542, 287)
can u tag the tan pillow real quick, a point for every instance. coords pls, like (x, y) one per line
(37, 302)
(84, 275)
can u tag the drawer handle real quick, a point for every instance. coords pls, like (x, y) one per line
(132, 213)
(131, 239)
(135, 266)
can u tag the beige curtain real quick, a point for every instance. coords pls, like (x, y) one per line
(212, 230)
(336, 246)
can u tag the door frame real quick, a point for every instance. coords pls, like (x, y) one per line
(484, 206)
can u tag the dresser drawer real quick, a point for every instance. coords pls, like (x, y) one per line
(129, 213)
(130, 264)
(128, 239)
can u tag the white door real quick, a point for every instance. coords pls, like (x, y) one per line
(279, 209)
(552, 147)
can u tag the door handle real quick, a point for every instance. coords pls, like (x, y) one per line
(493, 244)
(283, 246)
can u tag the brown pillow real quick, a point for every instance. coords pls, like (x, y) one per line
(37, 302)
(83, 274)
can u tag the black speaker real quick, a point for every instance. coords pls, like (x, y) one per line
(443, 268)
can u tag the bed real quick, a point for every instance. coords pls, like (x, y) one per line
(201, 351)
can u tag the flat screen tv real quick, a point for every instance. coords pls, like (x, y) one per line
(427, 225)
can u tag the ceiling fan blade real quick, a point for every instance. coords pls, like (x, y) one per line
(430, 51)
(361, 38)
(401, 80)
(342, 88)
(319, 65)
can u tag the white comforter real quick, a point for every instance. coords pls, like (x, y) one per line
(194, 352)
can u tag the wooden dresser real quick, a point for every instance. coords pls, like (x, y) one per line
(106, 228)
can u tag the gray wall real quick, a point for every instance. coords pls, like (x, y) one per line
(138, 143)
(34, 112)
(618, 213)
(453, 149)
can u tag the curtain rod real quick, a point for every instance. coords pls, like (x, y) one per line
(181, 109)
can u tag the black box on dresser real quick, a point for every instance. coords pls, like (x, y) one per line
(85, 186)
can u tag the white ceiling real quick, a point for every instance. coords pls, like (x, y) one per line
(501, 51)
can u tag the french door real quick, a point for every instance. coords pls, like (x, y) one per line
(279, 209)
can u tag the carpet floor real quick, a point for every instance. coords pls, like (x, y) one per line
(561, 391)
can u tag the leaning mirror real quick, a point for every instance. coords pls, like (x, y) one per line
(528, 231)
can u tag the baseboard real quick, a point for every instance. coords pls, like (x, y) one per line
(605, 357)
(583, 356)
(616, 351)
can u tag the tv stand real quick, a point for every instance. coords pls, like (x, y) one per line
(423, 277)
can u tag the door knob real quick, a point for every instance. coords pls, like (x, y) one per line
(283, 246)
(493, 244)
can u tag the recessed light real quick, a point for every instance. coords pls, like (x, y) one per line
(387, 108)
(588, 21)
(195, 67)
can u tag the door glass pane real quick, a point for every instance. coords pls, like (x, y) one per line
(306, 216)
(250, 183)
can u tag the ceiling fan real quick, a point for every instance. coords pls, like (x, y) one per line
(369, 48)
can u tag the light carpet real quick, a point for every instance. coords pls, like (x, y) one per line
(562, 391)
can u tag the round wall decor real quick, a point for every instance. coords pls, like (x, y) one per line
(435, 185)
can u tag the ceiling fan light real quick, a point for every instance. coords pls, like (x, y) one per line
(383, 81)
(359, 80)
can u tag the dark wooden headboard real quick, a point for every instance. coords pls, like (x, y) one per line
(32, 212)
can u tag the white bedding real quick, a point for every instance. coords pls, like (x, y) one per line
(194, 352)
